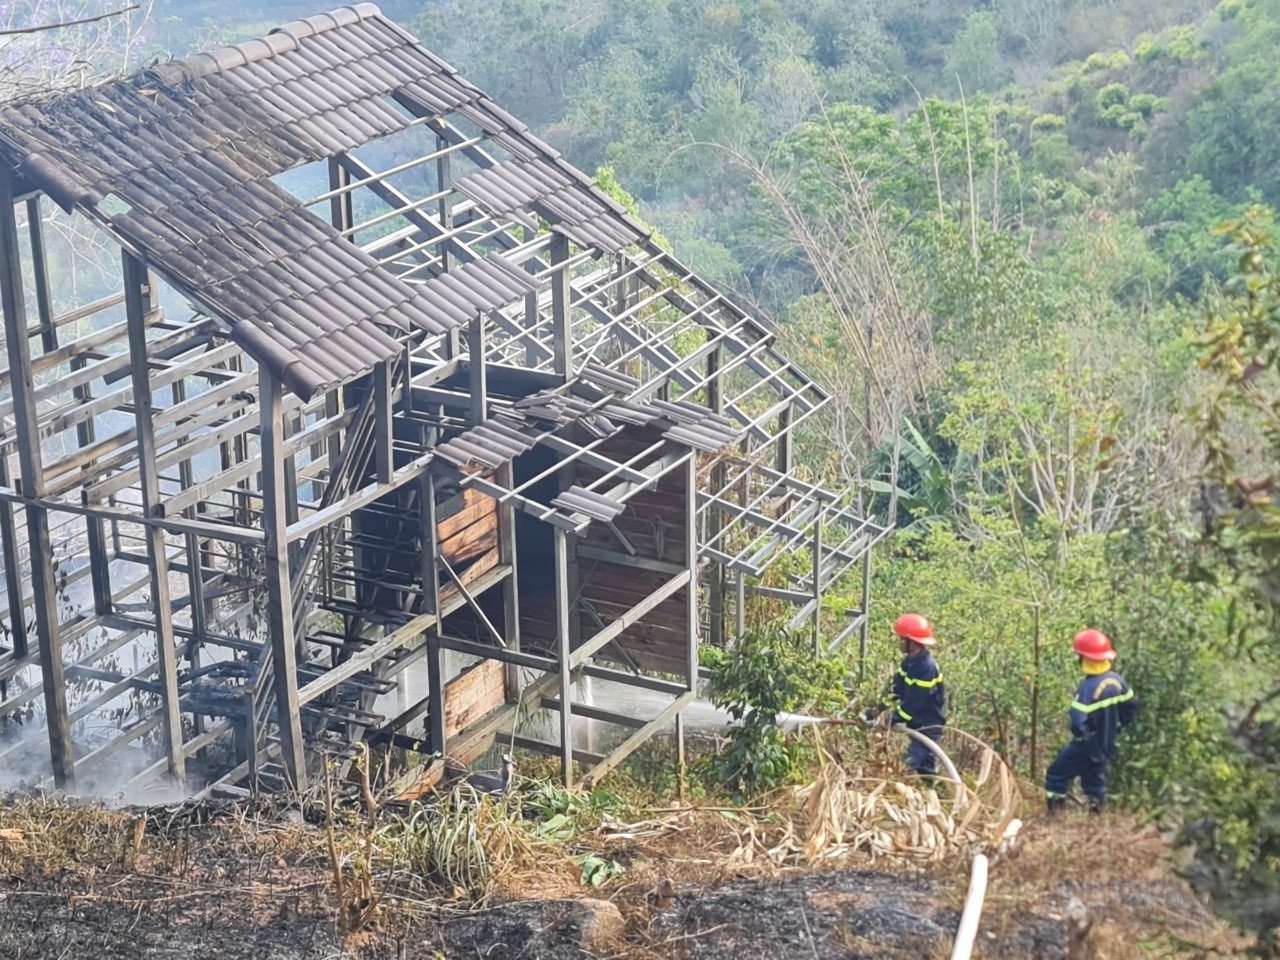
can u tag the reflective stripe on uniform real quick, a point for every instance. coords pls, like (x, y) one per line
(1109, 702)
(918, 683)
(902, 713)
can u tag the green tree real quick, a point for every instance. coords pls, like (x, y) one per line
(769, 671)
(973, 58)
(1234, 129)
(1240, 431)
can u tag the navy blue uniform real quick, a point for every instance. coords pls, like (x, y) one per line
(917, 686)
(1104, 703)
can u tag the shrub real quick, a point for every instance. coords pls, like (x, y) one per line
(1112, 95)
(1096, 61)
(1053, 155)
(1147, 104)
(1184, 44)
(1048, 123)
(1147, 48)
(769, 671)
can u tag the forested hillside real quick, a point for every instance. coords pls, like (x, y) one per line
(997, 230)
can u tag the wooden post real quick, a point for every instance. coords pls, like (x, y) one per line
(137, 299)
(564, 651)
(561, 323)
(340, 205)
(530, 306)
(279, 589)
(12, 574)
(444, 181)
(200, 608)
(26, 426)
(195, 575)
(740, 585)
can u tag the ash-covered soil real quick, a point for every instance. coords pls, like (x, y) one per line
(223, 885)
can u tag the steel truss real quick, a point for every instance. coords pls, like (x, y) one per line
(281, 565)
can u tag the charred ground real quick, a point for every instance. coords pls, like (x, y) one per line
(250, 881)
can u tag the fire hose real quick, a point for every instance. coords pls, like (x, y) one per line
(967, 931)
(950, 768)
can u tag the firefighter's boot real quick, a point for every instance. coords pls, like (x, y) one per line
(1056, 805)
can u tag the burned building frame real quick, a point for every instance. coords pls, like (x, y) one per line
(449, 430)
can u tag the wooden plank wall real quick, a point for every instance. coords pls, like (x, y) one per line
(468, 531)
(472, 695)
(654, 523)
(467, 534)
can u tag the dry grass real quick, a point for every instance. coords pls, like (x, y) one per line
(1123, 874)
(467, 851)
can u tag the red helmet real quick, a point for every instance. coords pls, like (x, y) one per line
(912, 626)
(1093, 645)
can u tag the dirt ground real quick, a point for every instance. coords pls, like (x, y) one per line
(225, 886)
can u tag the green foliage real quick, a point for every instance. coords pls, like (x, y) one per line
(973, 58)
(1113, 94)
(443, 845)
(1184, 44)
(1048, 123)
(769, 671)
(1240, 422)
(1181, 220)
(1234, 131)
(1147, 48)
(606, 179)
(1053, 155)
(1240, 435)
(925, 490)
(596, 870)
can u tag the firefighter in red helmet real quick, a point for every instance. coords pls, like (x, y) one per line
(1104, 702)
(918, 691)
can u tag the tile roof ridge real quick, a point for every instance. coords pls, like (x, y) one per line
(333, 20)
(281, 40)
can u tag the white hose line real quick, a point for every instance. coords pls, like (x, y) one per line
(969, 920)
(920, 738)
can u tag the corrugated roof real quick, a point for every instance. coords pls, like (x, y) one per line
(178, 161)
(513, 432)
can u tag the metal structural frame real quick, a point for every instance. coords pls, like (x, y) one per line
(454, 407)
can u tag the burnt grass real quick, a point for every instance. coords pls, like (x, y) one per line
(227, 884)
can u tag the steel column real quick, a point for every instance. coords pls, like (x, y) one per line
(137, 299)
(279, 588)
(18, 345)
